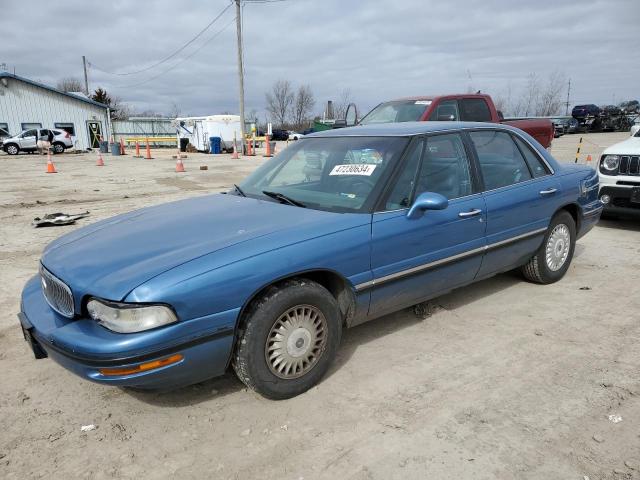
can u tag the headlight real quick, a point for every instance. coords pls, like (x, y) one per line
(611, 162)
(129, 317)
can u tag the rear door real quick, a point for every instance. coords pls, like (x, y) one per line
(521, 196)
(414, 259)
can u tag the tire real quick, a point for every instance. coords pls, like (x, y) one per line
(276, 368)
(560, 240)
(12, 149)
(58, 148)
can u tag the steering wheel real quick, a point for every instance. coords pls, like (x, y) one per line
(359, 185)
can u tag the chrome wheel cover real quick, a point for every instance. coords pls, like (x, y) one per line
(296, 342)
(558, 246)
(12, 149)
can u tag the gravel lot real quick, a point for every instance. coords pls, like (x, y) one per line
(505, 380)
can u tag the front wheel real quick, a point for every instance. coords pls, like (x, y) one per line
(551, 261)
(12, 149)
(289, 339)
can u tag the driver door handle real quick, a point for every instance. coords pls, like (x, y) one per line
(551, 191)
(471, 213)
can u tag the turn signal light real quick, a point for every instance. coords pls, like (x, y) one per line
(143, 367)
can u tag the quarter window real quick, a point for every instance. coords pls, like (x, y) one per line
(538, 168)
(474, 110)
(447, 110)
(500, 159)
(445, 168)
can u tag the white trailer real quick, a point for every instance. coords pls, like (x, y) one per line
(199, 129)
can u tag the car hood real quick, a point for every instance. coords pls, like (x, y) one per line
(112, 257)
(630, 146)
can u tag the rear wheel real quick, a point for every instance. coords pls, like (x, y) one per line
(12, 149)
(289, 339)
(552, 260)
(58, 147)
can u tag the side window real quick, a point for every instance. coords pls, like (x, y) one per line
(445, 168)
(29, 133)
(536, 165)
(67, 127)
(474, 110)
(446, 110)
(500, 160)
(400, 196)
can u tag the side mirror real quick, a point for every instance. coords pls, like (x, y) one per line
(427, 201)
(635, 129)
(500, 115)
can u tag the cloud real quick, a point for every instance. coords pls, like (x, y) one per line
(378, 49)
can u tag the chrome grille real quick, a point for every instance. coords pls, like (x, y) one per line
(629, 165)
(58, 295)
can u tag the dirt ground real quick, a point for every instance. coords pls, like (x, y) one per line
(506, 380)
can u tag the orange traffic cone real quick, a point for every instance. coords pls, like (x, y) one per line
(148, 157)
(51, 168)
(137, 155)
(235, 155)
(588, 158)
(100, 161)
(179, 165)
(267, 141)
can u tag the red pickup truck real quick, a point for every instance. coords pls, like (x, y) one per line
(463, 107)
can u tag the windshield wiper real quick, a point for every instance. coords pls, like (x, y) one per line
(284, 199)
(239, 190)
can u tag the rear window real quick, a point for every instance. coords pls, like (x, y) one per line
(474, 110)
(398, 111)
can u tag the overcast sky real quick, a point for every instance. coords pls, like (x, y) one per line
(378, 49)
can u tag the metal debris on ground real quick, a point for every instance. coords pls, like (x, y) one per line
(56, 219)
(87, 428)
(615, 418)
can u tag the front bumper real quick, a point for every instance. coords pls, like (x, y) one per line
(84, 347)
(624, 201)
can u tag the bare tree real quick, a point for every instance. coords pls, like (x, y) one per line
(303, 105)
(550, 96)
(340, 106)
(70, 84)
(279, 101)
(174, 111)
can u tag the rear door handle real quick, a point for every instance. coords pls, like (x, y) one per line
(551, 191)
(471, 213)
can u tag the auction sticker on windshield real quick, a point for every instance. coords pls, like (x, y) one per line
(353, 169)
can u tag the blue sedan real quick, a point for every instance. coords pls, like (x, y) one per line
(341, 227)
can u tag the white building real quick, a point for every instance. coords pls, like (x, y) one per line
(26, 104)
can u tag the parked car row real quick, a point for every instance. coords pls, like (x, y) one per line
(27, 141)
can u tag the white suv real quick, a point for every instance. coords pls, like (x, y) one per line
(27, 141)
(619, 172)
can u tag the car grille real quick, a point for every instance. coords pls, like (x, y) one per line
(58, 295)
(629, 165)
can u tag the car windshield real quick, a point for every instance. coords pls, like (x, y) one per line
(336, 174)
(397, 111)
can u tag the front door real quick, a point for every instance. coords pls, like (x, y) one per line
(415, 259)
(521, 196)
(28, 140)
(95, 133)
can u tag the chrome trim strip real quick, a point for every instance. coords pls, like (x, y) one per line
(426, 266)
(594, 211)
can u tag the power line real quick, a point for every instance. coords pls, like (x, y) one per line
(94, 66)
(182, 60)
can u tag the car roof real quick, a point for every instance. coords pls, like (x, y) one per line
(403, 129)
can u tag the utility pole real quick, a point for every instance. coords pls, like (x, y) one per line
(86, 79)
(566, 110)
(240, 72)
